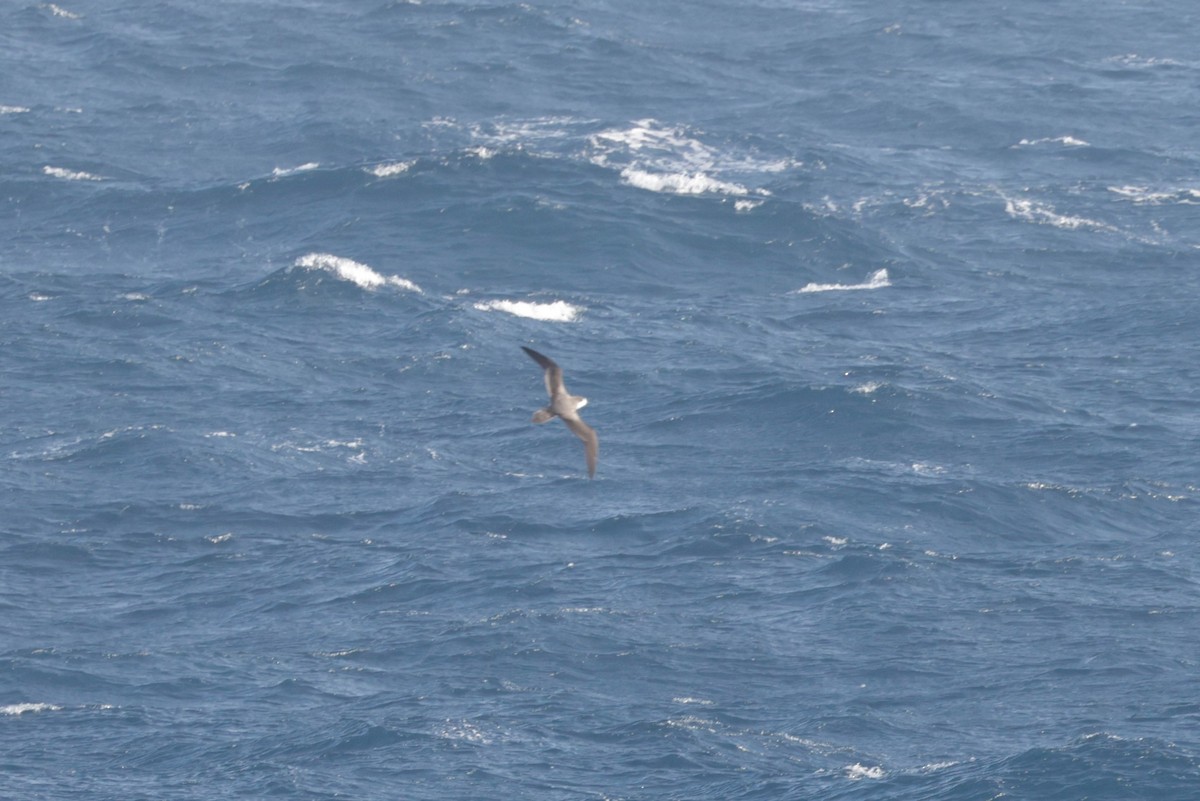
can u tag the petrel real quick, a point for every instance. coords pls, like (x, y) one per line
(565, 405)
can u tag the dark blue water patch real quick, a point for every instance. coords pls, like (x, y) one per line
(1102, 766)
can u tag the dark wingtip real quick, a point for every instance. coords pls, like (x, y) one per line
(544, 361)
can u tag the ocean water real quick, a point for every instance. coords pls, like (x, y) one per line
(887, 313)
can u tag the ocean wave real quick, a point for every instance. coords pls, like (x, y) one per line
(857, 772)
(682, 183)
(558, 311)
(1144, 195)
(70, 175)
(1135, 61)
(877, 280)
(283, 172)
(1044, 214)
(390, 169)
(1066, 141)
(21, 709)
(646, 154)
(663, 158)
(59, 11)
(349, 270)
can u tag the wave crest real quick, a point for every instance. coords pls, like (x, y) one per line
(877, 280)
(557, 312)
(352, 271)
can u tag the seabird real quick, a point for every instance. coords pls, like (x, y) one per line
(565, 405)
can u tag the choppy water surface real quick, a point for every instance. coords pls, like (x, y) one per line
(886, 315)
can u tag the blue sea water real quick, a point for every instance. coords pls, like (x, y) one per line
(887, 316)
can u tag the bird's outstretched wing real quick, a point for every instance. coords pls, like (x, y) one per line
(553, 374)
(591, 442)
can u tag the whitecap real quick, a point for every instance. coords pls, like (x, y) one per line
(352, 271)
(680, 183)
(390, 170)
(1134, 61)
(877, 280)
(69, 175)
(664, 158)
(280, 172)
(1144, 195)
(21, 709)
(13, 110)
(1066, 141)
(317, 447)
(557, 312)
(464, 731)
(857, 772)
(58, 11)
(1028, 211)
(522, 132)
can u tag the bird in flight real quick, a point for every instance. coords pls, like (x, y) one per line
(565, 405)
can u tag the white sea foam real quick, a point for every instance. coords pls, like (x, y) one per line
(663, 158)
(1029, 211)
(69, 175)
(877, 280)
(465, 731)
(281, 172)
(1066, 141)
(390, 170)
(526, 132)
(680, 183)
(352, 271)
(693, 723)
(1145, 195)
(647, 154)
(21, 709)
(61, 12)
(857, 772)
(318, 447)
(13, 110)
(557, 312)
(1134, 61)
